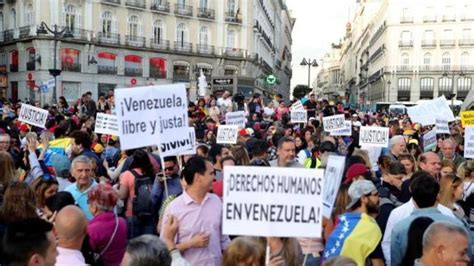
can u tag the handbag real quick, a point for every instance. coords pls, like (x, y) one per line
(97, 256)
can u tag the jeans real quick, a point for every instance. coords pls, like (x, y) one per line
(138, 227)
(311, 260)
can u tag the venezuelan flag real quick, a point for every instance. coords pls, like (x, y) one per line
(356, 237)
(58, 146)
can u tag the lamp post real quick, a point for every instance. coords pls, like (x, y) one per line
(452, 94)
(310, 63)
(64, 33)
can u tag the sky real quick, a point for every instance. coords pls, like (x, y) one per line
(318, 24)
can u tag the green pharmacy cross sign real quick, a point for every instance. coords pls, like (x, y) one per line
(271, 79)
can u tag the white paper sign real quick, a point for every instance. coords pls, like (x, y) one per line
(299, 116)
(334, 122)
(374, 136)
(469, 142)
(347, 131)
(227, 134)
(33, 115)
(272, 201)
(429, 140)
(106, 124)
(442, 126)
(426, 113)
(51, 84)
(169, 149)
(235, 118)
(332, 180)
(153, 115)
(297, 106)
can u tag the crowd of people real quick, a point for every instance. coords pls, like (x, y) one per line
(70, 196)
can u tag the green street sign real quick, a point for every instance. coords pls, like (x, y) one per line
(271, 79)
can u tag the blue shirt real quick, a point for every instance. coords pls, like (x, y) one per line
(81, 198)
(158, 190)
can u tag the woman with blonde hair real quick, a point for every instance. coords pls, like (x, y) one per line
(8, 173)
(451, 191)
(466, 172)
(244, 250)
(240, 154)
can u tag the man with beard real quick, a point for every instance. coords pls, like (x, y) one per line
(357, 234)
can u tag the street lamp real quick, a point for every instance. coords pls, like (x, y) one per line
(64, 33)
(310, 63)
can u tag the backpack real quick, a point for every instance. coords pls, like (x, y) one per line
(141, 203)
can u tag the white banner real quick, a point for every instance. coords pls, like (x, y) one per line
(347, 131)
(469, 142)
(426, 113)
(299, 116)
(169, 149)
(235, 118)
(227, 134)
(272, 201)
(334, 122)
(297, 106)
(374, 136)
(33, 115)
(332, 180)
(152, 115)
(429, 140)
(106, 124)
(442, 126)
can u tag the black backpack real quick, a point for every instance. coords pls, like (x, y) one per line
(141, 203)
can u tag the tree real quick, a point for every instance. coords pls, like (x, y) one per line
(300, 91)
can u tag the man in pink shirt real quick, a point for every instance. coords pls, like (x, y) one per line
(199, 215)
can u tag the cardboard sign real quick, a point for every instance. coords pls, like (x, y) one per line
(169, 149)
(333, 123)
(374, 136)
(299, 116)
(227, 134)
(467, 118)
(442, 126)
(272, 201)
(429, 140)
(426, 113)
(106, 124)
(332, 180)
(33, 115)
(297, 106)
(346, 131)
(469, 142)
(235, 118)
(153, 115)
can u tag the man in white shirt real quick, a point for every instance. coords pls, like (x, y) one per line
(225, 103)
(70, 225)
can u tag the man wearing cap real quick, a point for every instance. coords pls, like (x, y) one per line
(358, 171)
(357, 235)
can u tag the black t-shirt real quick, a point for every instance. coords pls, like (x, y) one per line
(311, 107)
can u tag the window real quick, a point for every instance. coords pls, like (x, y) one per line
(158, 31)
(31, 60)
(14, 61)
(466, 34)
(70, 17)
(445, 84)
(449, 13)
(13, 19)
(464, 60)
(181, 34)
(231, 7)
(426, 61)
(428, 36)
(430, 14)
(108, 26)
(446, 61)
(2, 28)
(406, 15)
(181, 3)
(3, 59)
(106, 63)
(464, 84)
(404, 61)
(29, 17)
(70, 59)
(134, 29)
(426, 84)
(231, 39)
(157, 67)
(133, 66)
(404, 84)
(203, 3)
(204, 35)
(448, 35)
(406, 37)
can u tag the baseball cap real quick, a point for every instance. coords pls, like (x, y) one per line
(355, 170)
(358, 189)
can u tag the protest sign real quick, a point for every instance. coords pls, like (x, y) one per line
(429, 140)
(106, 124)
(33, 115)
(153, 115)
(332, 123)
(297, 106)
(332, 179)
(235, 118)
(299, 116)
(426, 113)
(442, 126)
(170, 148)
(272, 201)
(374, 136)
(227, 134)
(467, 118)
(469, 142)
(346, 131)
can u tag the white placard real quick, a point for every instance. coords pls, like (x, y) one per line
(332, 180)
(426, 113)
(297, 106)
(235, 118)
(299, 116)
(227, 134)
(347, 131)
(272, 201)
(374, 136)
(152, 115)
(469, 142)
(51, 84)
(429, 140)
(169, 149)
(442, 126)
(106, 124)
(192, 151)
(334, 122)
(33, 115)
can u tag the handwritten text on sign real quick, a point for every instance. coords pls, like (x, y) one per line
(235, 118)
(279, 202)
(33, 115)
(467, 118)
(469, 142)
(442, 126)
(106, 124)
(374, 136)
(332, 123)
(332, 179)
(299, 116)
(347, 131)
(227, 134)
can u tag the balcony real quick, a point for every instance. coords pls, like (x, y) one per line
(232, 17)
(116, 2)
(406, 19)
(79, 34)
(449, 18)
(403, 68)
(427, 19)
(467, 17)
(447, 43)
(206, 13)
(134, 41)
(133, 72)
(405, 44)
(164, 7)
(8, 35)
(108, 38)
(183, 10)
(158, 44)
(136, 3)
(13, 68)
(108, 70)
(183, 47)
(30, 66)
(466, 42)
(71, 67)
(428, 43)
(157, 73)
(205, 49)
(234, 52)
(25, 32)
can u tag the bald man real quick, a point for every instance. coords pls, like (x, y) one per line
(70, 226)
(431, 163)
(448, 152)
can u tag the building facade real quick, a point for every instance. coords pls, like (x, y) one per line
(127, 43)
(329, 85)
